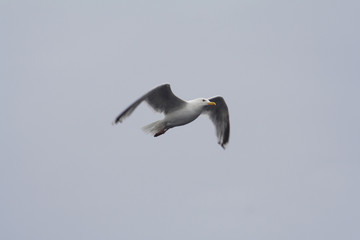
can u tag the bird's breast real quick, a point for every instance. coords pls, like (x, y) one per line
(181, 117)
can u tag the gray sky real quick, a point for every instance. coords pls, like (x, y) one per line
(289, 71)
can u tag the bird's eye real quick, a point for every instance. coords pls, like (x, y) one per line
(203, 100)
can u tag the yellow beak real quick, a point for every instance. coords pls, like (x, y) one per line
(212, 103)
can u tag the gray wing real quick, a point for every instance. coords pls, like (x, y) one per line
(219, 115)
(161, 99)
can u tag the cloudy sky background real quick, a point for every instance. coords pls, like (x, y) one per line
(289, 71)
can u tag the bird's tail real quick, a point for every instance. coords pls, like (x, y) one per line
(154, 127)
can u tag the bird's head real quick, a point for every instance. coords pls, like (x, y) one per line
(204, 102)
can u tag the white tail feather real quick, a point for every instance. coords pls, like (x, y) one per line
(154, 127)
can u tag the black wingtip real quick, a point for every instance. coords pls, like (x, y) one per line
(116, 121)
(223, 145)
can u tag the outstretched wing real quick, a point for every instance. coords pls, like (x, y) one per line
(161, 99)
(219, 115)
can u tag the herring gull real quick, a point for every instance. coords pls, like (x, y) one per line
(179, 112)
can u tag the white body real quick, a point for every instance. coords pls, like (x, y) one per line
(183, 116)
(180, 117)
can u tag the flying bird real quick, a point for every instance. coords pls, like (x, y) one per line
(179, 112)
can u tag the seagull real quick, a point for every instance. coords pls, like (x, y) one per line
(179, 112)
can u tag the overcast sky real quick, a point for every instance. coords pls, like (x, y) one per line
(289, 71)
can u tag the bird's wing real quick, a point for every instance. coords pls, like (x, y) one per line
(219, 114)
(161, 99)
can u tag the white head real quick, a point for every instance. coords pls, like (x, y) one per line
(202, 102)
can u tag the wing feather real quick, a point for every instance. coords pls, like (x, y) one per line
(161, 99)
(219, 115)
